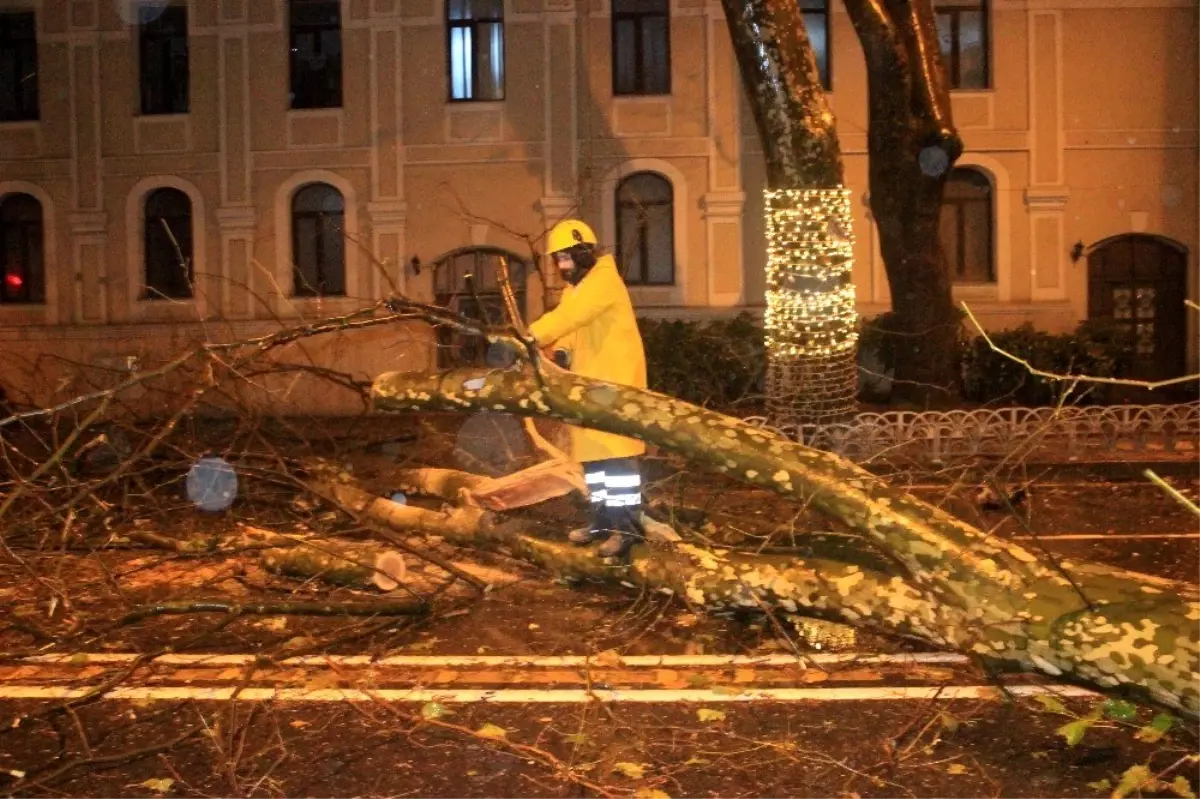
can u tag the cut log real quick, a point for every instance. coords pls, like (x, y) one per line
(356, 566)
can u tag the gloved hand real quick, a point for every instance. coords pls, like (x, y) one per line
(562, 358)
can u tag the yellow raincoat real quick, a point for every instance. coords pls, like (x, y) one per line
(594, 322)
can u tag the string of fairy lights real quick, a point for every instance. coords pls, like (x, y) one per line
(811, 308)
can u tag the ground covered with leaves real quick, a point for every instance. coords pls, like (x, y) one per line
(97, 582)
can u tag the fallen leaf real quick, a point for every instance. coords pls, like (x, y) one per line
(159, 786)
(435, 710)
(956, 768)
(699, 680)
(1052, 703)
(1156, 729)
(298, 723)
(576, 738)
(632, 770)
(1100, 785)
(491, 731)
(1120, 710)
(1182, 787)
(708, 714)
(276, 623)
(1073, 731)
(16, 772)
(695, 761)
(1135, 778)
(546, 719)
(609, 657)
(534, 626)
(650, 793)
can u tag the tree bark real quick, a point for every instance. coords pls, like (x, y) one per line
(811, 319)
(912, 146)
(935, 577)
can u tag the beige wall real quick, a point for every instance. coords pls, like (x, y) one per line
(1090, 131)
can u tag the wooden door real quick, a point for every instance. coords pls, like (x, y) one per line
(1139, 282)
(467, 282)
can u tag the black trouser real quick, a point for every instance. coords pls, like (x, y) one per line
(615, 486)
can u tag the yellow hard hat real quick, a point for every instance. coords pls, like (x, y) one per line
(568, 233)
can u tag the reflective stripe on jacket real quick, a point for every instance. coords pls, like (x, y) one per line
(595, 322)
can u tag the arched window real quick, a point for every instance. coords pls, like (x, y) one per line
(21, 255)
(318, 241)
(968, 237)
(646, 229)
(468, 282)
(167, 220)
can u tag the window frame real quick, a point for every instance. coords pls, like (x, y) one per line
(827, 25)
(301, 288)
(955, 261)
(28, 230)
(26, 50)
(296, 30)
(473, 23)
(144, 42)
(150, 291)
(639, 61)
(952, 61)
(619, 205)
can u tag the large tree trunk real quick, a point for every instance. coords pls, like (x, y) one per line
(934, 576)
(912, 145)
(811, 319)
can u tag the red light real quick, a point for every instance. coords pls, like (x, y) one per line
(14, 282)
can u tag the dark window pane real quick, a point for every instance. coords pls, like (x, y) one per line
(640, 7)
(22, 270)
(977, 242)
(163, 53)
(972, 55)
(815, 23)
(624, 63)
(655, 54)
(963, 39)
(641, 56)
(318, 241)
(646, 229)
(316, 54)
(168, 244)
(966, 226)
(18, 67)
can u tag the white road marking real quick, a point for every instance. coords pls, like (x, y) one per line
(525, 661)
(1105, 536)
(544, 696)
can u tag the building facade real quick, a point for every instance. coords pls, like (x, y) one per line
(204, 169)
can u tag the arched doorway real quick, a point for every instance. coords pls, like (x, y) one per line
(467, 282)
(1138, 282)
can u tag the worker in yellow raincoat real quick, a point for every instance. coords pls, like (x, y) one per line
(594, 333)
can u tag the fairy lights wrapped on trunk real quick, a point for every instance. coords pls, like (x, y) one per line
(811, 318)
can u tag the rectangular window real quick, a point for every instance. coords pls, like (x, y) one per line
(18, 67)
(316, 53)
(816, 23)
(163, 59)
(475, 43)
(641, 42)
(963, 36)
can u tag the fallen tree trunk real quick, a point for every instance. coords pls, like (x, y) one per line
(948, 583)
